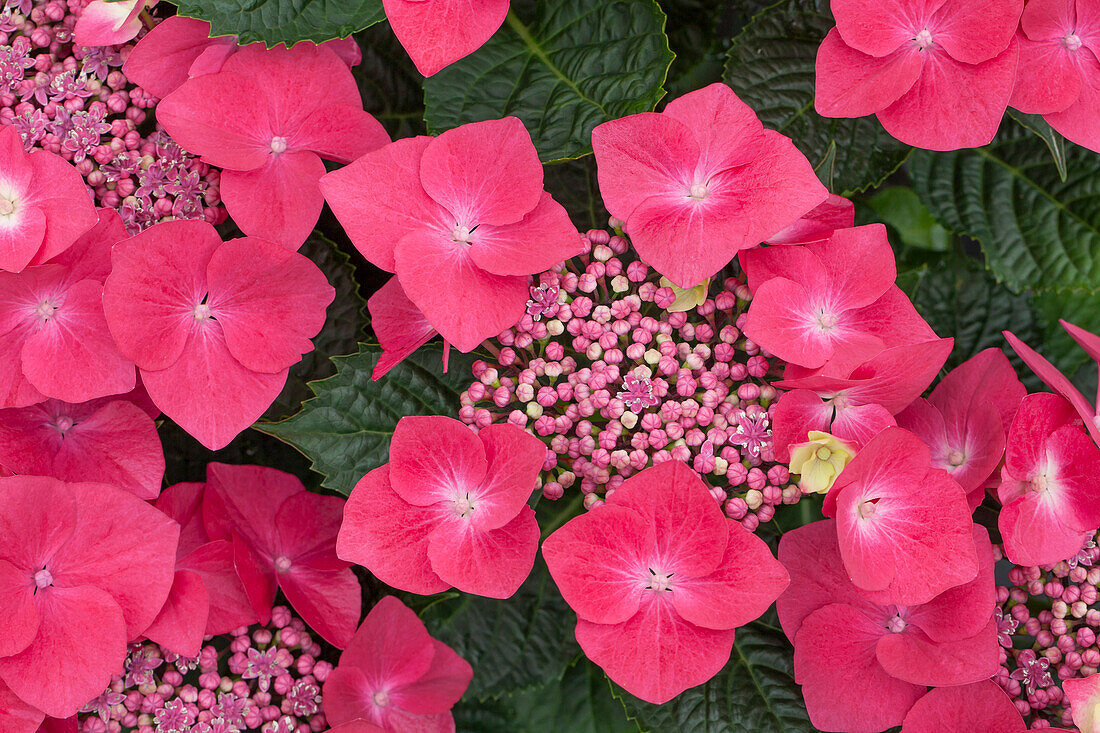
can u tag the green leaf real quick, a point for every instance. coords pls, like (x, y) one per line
(902, 209)
(562, 67)
(391, 87)
(581, 703)
(1055, 143)
(754, 693)
(284, 21)
(573, 184)
(1035, 230)
(771, 67)
(514, 644)
(1080, 307)
(345, 430)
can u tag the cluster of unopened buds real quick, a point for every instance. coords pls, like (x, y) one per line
(616, 370)
(265, 678)
(1048, 626)
(76, 101)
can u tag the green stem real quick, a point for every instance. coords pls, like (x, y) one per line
(564, 515)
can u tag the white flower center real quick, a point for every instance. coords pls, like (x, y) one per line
(1072, 42)
(7, 206)
(45, 310)
(923, 39)
(896, 624)
(660, 581)
(202, 312)
(867, 509)
(278, 145)
(462, 233)
(698, 191)
(43, 578)
(463, 505)
(63, 423)
(381, 699)
(956, 458)
(282, 563)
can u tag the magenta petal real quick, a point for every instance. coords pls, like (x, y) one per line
(986, 377)
(246, 500)
(435, 459)
(104, 23)
(484, 172)
(1078, 122)
(836, 213)
(436, 33)
(982, 707)
(973, 34)
(388, 536)
(44, 523)
(795, 414)
(328, 600)
(269, 301)
(229, 605)
(655, 655)
(727, 130)
(1090, 342)
(391, 645)
(399, 325)
(59, 190)
(964, 610)
(859, 424)
(208, 392)
(953, 104)
(740, 590)
(852, 84)
(160, 61)
(1081, 694)
(340, 132)
(307, 524)
(89, 257)
(1034, 534)
(515, 459)
(608, 591)
(257, 576)
(65, 666)
(21, 239)
(17, 716)
(19, 623)
(783, 321)
(1056, 381)
(508, 250)
(279, 202)
(1048, 78)
(443, 685)
(913, 657)
(463, 302)
(181, 623)
(880, 27)
(347, 695)
(492, 563)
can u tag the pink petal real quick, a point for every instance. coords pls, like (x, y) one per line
(690, 529)
(307, 524)
(391, 646)
(913, 657)
(17, 609)
(341, 132)
(953, 104)
(1036, 420)
(851, 83)
(435, 459)
(246, 500)
(655, 655)
(515, 459)
(795, 414)
(1048, 20)
(17, 296)
(879, 28)
(858, 425)
(1034, 533)
(327, 600)
(181, 623)
(357, 726)
(378, 199)
(436, 33)
(213, 58)
(60, 192)
(157, 279)
(89, 257)
(782, 320)
(963, 611)
(21, 237)
(727, 130)
(438, 273)
(484, 172)
(1082, 694)
(347, 695)
(229, 604)
(222, 117)
(160, 61)
(440, 687)
(836, 213)
(347, 49)
(859, 264)
(279, 202)
(982, 707)
(399, 325)
(108, 23)
(388, 536)
(974, 34)
(257, 576)
(73, 357)
(1090, 342)
(740, 590)
(492, 563)
(66, 666)
(17, 716)
(1056, 381)
(1048, 79)
(183, 503)
(843, 683)
(269, 301)
(608, 591)
(1078, 122)
(508, 250)
(38, 519)
(210, 394)
(989, 377)
(1088, 24)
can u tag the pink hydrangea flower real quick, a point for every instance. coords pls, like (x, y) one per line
(1059, 73)
(395, 676)
(179, 48)
(44, 204)
(73, 558)
(111, 439)
(903, 527)
(17, 716)
(213, 326)
(462, 219)
(835, 213)
(980, 707)
(267, 118)
(966, 417)
(449, 509)
(103, 23)
(400, 326)
(701, 181)
(863, 664)
(436, 33)
(1083, 695)
(831, 298)
(56, 342)
(207, 596)
(1050, 483)
(659, 580)
(284, 538)
(938, 74)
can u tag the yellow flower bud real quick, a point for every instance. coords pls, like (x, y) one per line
(819, 461)
(686, 298)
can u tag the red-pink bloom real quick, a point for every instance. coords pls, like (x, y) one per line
(103, 23)
(449, 509)
(660, 579)
(966, 417)
(284, 538)
(396, 676)
(855, 407)
(267, 118)
(213, 326)
(179, 48)
(1083, 695)
(399, 326)
(75, 558)
(834, 296)
(980, 707)
(1050, 483)
(1059, 74)
(110, 439)
(700, 181)
(356, 726)
(835, 213)
(207, 597)
(903, 527)
(938, 73)
(462, 219)
(55, 338)
(44, 204)
(436, 33)
(1090, 414)
(17, 716)
(863, 664)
